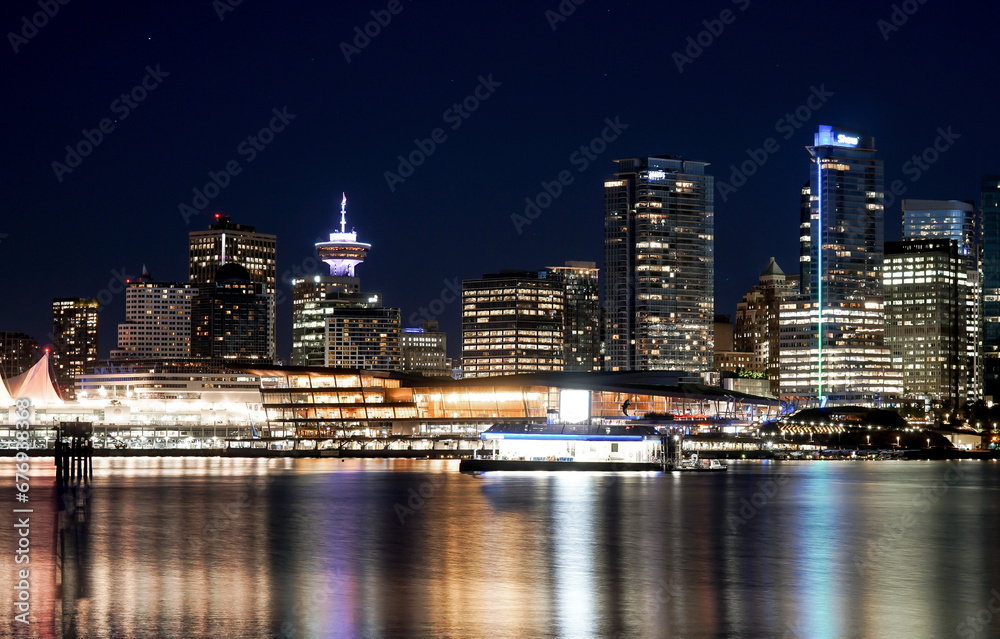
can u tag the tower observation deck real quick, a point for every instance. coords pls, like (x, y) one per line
(343, 252)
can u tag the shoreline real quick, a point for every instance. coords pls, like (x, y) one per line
(256, 453)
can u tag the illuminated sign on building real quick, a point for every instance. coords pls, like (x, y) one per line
(847, 139)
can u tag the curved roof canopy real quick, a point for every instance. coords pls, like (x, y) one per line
(36, 384)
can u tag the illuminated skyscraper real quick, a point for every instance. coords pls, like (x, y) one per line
(925, 322)
(659, 293)
(958, 221)
(991, 285)
(805, 237)
(512, 322)
(582, 316)
(231, 319)
(334, 323)
(74, 341)
(225, 242)
(833, 336)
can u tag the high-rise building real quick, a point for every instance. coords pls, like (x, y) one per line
(74, 340)
(959, 221)
(832, 338)
(157, 320)
(805, 237)
(226, 242)
(925, 319)
(659, 291)
(366, 338)
(758, 325)
(333, 321)
(18, 352)
(424, 350)
(512, 322)
(582, 316)
(991, 285)
(231, 319)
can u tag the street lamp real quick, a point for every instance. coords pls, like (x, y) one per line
(897, 441)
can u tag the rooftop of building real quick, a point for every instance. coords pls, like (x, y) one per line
(772, 268)
(627, 383)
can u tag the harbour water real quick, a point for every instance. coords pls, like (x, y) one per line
(303, 548)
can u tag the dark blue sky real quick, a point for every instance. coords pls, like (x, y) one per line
(552, 91)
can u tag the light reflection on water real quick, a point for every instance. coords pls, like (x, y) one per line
(381, 548)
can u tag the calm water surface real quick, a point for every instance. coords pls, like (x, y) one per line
(326, 548)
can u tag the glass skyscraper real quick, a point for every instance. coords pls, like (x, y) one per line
(991, 285)
(582, 316)
(226, 242)
(833, 336)
(959, 221)
(659, 250)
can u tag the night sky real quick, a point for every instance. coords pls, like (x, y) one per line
(548, 91)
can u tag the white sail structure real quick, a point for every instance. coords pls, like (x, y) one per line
(36, 384)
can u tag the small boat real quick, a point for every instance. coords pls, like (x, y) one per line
(700, 465)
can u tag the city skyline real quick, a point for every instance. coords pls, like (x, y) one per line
(455, 229)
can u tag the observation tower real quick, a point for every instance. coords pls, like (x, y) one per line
(343, 252)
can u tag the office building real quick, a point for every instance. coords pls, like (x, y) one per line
(512, 322)
(582, 316)
(18, 352)
(226, 242)
(991, 286)
(74, 340)
(231, 319)
(659, 265)
(364, 338)
(925, 311)
(334, 323)
(758, 325)
(805, 237)
(424, 350)
(157, 320)
(961, 222)
(832, 336)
